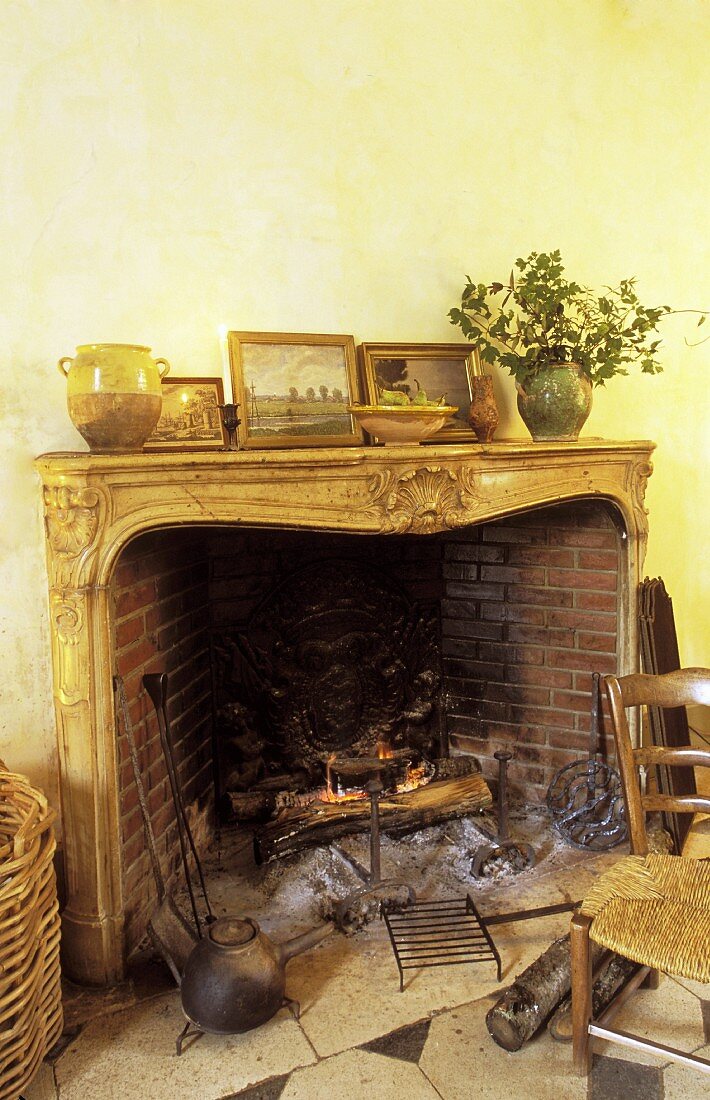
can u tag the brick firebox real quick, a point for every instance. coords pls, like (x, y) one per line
(98, 507)
(527, 607)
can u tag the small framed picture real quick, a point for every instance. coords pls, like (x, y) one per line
(440, 370)
(190, 418)
(294, 389)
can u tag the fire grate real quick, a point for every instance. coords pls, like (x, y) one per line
(439, 933)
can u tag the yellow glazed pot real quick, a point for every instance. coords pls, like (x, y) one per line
(113, 394)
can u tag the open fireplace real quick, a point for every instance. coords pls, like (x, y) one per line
(296, 635)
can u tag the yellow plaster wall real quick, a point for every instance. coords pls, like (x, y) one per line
(337, 166)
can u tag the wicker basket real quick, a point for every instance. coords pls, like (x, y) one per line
(30, 988)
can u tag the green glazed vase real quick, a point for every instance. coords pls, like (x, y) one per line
(555, 404)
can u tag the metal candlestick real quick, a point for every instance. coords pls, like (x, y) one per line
(231, 422)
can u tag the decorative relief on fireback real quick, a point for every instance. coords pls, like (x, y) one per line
(334, 660)
(68, 621)
(422, 501)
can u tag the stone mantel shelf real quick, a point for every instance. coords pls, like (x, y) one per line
(94, 504)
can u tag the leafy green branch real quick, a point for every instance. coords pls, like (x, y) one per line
(540, 318)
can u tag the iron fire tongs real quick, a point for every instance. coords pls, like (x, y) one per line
(156, 684)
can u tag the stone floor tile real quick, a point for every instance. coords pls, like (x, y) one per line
(132, 1055)
(43, 1086)
(359, 1076)
(616, 1077)
(683, 1083)
(349, 987)
(406, 1043)
(462, 1061)
(267, 1090)
(670, 1014)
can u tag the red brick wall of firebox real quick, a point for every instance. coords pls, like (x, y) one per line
(528, 609)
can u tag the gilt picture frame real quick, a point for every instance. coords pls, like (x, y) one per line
(293, 389)
(441, 370)
(190, 419)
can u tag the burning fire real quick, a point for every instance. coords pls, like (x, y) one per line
(415, 776)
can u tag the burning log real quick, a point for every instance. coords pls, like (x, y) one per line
(319, 823)
(533, 996)
(251, 805)
(450, 767)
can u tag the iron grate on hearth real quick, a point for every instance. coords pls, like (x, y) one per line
(439, 933)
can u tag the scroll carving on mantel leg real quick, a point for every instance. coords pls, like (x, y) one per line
(638, 478)
(422, 501)
(68, 612)
(71, 516)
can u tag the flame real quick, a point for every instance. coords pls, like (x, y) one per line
(330, 794)
(415, 777)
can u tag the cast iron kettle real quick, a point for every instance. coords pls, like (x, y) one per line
(235, 977)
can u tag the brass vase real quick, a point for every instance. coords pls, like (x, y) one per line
(483, 411)
(113, 394)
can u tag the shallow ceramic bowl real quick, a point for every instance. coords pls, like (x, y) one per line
(402, 424)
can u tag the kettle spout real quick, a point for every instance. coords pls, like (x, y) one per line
(304, 942)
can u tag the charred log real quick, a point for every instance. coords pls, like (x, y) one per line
(319, 823)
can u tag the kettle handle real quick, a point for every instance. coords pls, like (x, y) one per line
(164, 363)
(65, 359)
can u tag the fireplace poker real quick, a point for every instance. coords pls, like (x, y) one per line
(156, 684)
(168, 929)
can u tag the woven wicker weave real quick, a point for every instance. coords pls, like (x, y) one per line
(30, 989)
(655, 909)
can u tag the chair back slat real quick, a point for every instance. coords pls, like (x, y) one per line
(656, 754)
(687, 804)
(673, 689)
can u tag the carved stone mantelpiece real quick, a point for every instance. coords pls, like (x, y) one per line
(94, 504)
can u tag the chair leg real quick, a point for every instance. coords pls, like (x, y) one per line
(581, 968)
(652, 980)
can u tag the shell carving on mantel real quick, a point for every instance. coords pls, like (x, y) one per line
(71, 518)
(422, 501)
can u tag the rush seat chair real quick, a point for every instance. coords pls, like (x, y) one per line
(651, 908)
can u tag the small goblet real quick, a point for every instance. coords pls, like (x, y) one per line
(231, 422)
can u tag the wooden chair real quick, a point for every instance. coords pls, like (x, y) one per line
(651, 908)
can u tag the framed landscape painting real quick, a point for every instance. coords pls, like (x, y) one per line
(189, 419)
(441, 370)
(294, 389)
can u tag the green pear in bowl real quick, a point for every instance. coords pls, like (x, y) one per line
(393, 397)
(420, 397)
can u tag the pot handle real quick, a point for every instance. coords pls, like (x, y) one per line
(164, 363)
(65, 359)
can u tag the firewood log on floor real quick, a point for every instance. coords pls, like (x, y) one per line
(544, 988)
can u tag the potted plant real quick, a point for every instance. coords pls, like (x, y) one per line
(558, 339)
